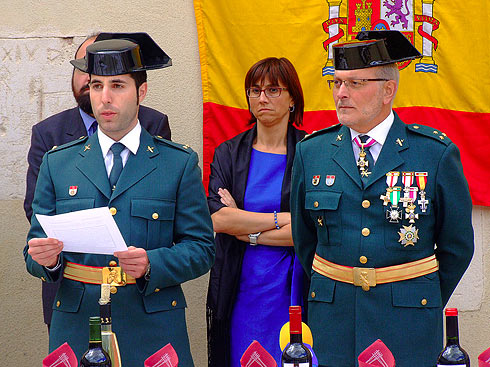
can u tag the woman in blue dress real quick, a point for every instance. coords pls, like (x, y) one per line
(255, 277)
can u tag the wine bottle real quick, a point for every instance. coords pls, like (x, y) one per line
(453, 354)
(296, 354)
(109, 339)
(95, 356)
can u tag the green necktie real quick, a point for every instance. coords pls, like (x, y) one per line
(117, 165)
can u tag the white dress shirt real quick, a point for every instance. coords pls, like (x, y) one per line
(131, 141)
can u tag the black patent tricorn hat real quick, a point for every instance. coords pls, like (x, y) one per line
(373, 48)
(122, 53)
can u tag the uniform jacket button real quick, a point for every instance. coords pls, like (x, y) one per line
(366, 204)
(154, 216)
(423, 302)
(58, 303)
(313, 294)
(113, 289)
(174, 303)
(363, 259)
(315, 204)
(157, 290)
(365, 232)
(112, 263)
(113, 211)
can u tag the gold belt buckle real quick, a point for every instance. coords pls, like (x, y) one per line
(114, 276)
(364, 277)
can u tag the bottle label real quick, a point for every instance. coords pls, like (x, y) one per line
(296, 364)
(452, 365)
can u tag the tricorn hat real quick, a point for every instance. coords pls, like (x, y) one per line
(373, 48)
(122, 53)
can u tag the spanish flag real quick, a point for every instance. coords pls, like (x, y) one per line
(448, 89)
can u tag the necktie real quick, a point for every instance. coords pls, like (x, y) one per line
(366, 160)
(117, 165)
(92, 129)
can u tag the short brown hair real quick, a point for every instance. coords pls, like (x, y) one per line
(278, 69)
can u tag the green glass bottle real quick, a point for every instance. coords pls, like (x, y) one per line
(95, 356)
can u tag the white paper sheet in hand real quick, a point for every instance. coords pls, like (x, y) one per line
(90, 231)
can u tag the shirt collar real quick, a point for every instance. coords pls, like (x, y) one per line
(131, 140)
(86, 118)
(379, 132)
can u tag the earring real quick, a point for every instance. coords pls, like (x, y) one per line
(291, 109)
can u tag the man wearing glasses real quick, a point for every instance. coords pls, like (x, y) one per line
(381, 215)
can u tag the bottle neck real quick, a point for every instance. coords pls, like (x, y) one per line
(95, 334)
(452, 333)
(296, 338)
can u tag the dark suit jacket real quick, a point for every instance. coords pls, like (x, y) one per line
(58, 130)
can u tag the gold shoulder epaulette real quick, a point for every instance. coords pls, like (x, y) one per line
(183, 147)
(429, 132)
(321, 132)
(80, 140)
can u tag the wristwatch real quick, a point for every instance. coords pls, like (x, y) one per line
(253, 238)
(147, 272)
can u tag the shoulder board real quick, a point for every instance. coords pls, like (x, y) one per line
(322, 131)
(183, 147)
(80, 140)
(430, 132)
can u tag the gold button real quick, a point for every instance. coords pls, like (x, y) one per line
(363, 259)
(113, 211)
(315, 204)
(58, 303)
(365, 232)
(416, 127)
(157, 290)
(154, 216)
(365, 288)
(366, 204)
(174, 303)
(43, 279)
(113, 289)
(112, 263)
(423, 302)
(436, 132)
(313, 294)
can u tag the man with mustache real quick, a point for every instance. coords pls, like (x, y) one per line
(69, 125)
(380, 213)
(153, 189)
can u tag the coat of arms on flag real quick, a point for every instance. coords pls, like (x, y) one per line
(400, 15)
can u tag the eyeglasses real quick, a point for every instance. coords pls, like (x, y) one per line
(271, 92)
(351, 83)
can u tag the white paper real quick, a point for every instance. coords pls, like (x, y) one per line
(90, 231)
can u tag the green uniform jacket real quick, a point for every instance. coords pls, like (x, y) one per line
(163, 178)
(405, 315)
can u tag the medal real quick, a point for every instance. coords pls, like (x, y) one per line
(394, 214)
(362, 162)
(421, 178)
(391, 180)
(407, 179)
(408, 235)
(316, 180)
(410, 213)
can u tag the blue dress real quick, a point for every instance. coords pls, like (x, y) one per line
(267, 288)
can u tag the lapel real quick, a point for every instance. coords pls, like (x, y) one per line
(344, 155)
(389, 157)
(75, 127)
(92, 165)
(138, 165)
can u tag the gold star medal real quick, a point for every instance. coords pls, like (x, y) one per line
(408, 235)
